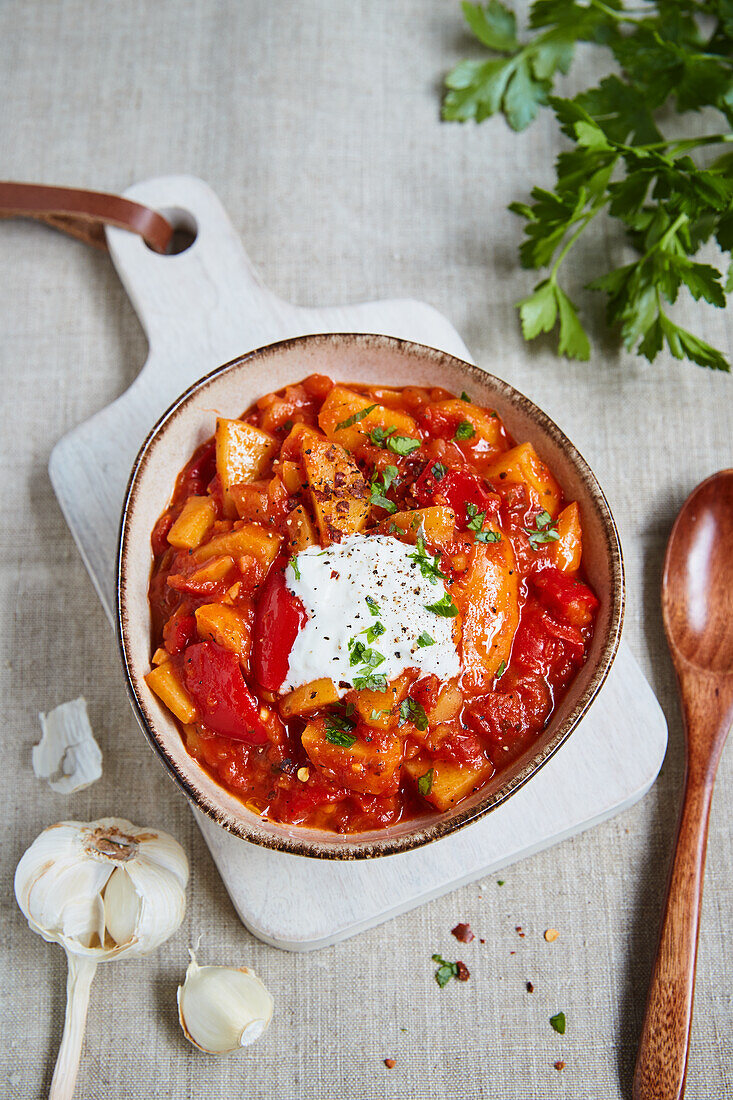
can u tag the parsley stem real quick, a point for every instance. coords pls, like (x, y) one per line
(583, 222)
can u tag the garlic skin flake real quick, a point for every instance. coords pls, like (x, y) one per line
(102, 890)
(67, 754)
(222, 1008)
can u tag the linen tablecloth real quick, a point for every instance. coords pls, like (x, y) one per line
(318, 125)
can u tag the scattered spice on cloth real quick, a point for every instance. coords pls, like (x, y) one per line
(530, 987)
(463, 933)
(390, 1063)
(519, 931)
(551, 934)
(463, 972)
(559, 1065)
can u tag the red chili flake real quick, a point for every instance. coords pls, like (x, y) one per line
(482, 941)
(390, 1063)
(512, 952)
(463, 933)
(463, 972)
(559, 1065)
(530, 987)
(518, 929)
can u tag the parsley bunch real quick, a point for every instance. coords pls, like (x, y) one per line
(672, 54)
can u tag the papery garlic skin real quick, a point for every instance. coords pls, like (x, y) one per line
(222, 1008)
(61, 884)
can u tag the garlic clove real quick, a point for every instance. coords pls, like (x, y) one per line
(121, 907)
(221, 1008)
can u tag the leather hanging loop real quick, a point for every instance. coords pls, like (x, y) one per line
(84, 214)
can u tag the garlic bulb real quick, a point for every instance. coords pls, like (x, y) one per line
(102, 890)
(222, 1008)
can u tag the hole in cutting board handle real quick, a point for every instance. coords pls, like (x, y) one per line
(185, 229)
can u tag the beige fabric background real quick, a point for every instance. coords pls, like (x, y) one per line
(317, 123)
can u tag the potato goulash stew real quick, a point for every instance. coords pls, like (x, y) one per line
(365, 602)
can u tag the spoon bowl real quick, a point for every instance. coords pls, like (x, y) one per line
(698, 573)
(697, 605)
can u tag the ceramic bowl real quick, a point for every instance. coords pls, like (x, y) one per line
(367, 359)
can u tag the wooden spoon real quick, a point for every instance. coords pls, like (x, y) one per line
(697, 604)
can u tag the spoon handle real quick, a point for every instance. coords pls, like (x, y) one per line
(661, 1063)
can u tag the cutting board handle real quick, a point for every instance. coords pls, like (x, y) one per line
(196, 290)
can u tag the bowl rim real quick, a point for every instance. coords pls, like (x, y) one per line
(376, 846)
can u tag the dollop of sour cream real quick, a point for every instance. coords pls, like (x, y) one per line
(347, 590)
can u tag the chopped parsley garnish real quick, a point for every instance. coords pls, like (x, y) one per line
(544, 530)
(444, 607)
(357, 416)
(412, 711)
(370, 681)
(429, 565)
(475, 524)
(397, 444)
(425, 640)
(425, 783)
(557, 1022)
(445, 970)
(359, 654)
(372, 632)
(372, 605)
(465, 397)
(438, 470)
(379, 488)
(501, 670)
(377, 714)
(464, 430)
(295, 567)
(338, 730)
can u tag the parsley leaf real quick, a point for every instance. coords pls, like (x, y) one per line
(445, 971)
(544, 530)
(501, 670)
(465, 430)
(429, 565)
(397, 444)
(558, 1022)
(376, 714)
(425, 783)
(465, 397)
(438, 470)
(411, 711)
(475, 524)
(359, 654)
(338, 730)
(425, 640)
(295, 567)
(370, 681)
(372, 605)
(373, 632)
(666, 202)
(379, 488)
(355, 418)
(444, 607)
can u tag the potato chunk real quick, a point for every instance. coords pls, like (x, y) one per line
(485, 426)
(164, 681)
(449, 782)
(309, 698)
(250, 539)
(368, 768)
(339, 493)
(437, 522)
(195, 519)
(300, 530)
(379, 708)
(522, 464)
(488, 600)
(343, 404)
(227, 627)
(242, 452)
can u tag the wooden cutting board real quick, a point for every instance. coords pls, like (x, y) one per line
(199, 309)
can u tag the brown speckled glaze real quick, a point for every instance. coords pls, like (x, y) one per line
(229, 390)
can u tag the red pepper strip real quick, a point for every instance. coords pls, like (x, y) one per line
(565, 596)
(459, 488)
(179, 631)
(279, 616)
(213, 678)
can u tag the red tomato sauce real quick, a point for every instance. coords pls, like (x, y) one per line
(223, 620)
